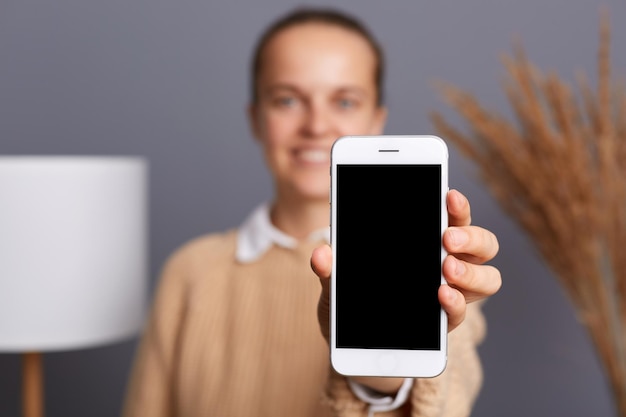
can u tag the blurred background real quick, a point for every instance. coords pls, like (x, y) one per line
(169, 81)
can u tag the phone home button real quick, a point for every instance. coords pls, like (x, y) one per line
(387, 362)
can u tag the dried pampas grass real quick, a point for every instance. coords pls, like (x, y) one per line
(560, 173)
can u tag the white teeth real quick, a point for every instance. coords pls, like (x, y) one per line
(314, 155)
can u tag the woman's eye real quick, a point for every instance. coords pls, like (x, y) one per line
(346, 103)
(286, 101)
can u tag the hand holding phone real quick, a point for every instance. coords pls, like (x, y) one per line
(388, 215)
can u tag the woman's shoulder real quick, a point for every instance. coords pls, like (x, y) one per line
(201, 256)
(208, 246)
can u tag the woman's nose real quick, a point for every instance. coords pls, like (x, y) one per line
(318, 121)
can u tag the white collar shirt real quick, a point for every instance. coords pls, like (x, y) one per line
(257, 234)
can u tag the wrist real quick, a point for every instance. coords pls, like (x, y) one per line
(378, 401)
(387, 386)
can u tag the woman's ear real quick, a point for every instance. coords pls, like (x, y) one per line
(380, 120)
(253, 120)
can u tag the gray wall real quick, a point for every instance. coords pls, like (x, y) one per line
(168, 80)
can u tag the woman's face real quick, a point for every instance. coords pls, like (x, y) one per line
(316, 83)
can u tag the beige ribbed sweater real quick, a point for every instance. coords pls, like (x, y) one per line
(226, 339)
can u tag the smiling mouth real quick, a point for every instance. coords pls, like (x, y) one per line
(314, 156)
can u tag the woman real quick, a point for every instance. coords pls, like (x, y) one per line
(234, 329)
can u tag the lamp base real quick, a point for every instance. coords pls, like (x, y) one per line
(32, 384)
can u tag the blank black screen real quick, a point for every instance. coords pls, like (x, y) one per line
(388, 256)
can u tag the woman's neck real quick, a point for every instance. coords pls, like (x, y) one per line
(299, 218)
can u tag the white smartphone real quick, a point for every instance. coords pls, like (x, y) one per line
(388, 215)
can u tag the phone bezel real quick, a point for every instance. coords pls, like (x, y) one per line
(382, 150)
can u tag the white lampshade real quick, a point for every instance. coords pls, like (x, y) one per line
(73, 251)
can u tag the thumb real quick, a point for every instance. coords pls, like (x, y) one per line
(321, 263)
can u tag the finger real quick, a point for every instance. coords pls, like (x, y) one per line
(475, 282)
(453, 303)
(471, 243)
(322, 261)
(459, 213)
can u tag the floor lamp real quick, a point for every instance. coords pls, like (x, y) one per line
(73, 257)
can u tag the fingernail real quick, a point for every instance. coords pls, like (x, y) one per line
(459, 267)
(458, 237)
(451, 293)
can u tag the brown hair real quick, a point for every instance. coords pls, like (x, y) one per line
(317, 15)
